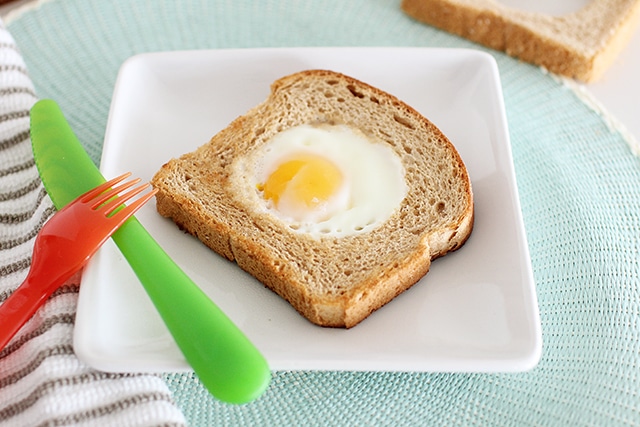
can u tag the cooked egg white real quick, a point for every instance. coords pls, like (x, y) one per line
(325, 180)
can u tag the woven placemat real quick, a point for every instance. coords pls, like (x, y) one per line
(579, 186)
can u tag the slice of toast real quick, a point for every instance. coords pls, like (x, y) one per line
(579, 45)
(332, 281)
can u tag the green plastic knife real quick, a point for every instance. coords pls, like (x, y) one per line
(226, 362)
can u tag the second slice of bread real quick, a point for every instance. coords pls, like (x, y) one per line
(332, 281)
(579, 45)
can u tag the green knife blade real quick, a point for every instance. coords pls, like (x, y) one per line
(226, 362)
(64, 166)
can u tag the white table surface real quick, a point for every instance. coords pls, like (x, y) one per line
(618, 91)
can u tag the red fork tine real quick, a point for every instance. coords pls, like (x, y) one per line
(106, 198)
(111, 205)
(131, 208)
(102, 188)
(103, 200)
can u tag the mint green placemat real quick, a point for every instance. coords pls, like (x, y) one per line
(579, 187)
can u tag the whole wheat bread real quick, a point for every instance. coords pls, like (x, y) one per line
(580, 45)
(332, 281)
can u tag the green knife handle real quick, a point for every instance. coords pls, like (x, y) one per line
(224, 359)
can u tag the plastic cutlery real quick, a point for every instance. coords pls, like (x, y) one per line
(224, 359)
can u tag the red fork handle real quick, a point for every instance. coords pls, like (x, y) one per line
(22, 304)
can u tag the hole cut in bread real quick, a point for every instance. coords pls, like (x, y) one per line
(580, 45)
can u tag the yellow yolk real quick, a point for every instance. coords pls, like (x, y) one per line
(306, 181)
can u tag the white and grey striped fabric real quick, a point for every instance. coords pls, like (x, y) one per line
(42, 383)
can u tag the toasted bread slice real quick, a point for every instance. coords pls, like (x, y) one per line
(579, 45)
(332, 281)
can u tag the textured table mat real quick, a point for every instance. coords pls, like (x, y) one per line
(579, 184)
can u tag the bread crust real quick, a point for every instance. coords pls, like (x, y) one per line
(332, 281)
(580, 45)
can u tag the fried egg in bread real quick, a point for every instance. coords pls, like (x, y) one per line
(324, 179)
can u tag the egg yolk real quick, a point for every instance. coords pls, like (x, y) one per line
(306, 181)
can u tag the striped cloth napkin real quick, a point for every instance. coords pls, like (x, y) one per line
(42, 383)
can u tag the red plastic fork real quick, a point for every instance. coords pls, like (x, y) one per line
(64, 245)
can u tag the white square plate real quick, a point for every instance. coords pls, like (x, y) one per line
(476, 310)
